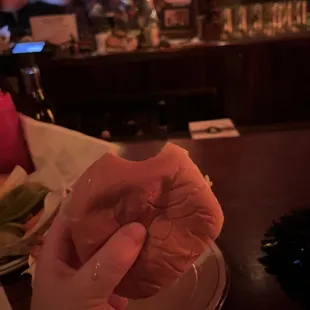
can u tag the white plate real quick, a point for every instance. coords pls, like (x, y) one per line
(203, 287)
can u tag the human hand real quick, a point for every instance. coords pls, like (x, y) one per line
(62, 283)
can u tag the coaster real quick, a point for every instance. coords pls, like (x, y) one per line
(219, 128)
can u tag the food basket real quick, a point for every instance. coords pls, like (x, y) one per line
(59, 156)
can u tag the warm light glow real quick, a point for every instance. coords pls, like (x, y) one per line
(275, 15)
(227, 20)
(258, 11)
(272, 19)
(304, 12)
(289, 14)
(298, 13)
(242, 18)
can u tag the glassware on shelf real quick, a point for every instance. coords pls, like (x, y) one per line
(297, 13)
(298, 8)
(228, 24)
(135, 24)
(268, 28)
(240, 27)
(304, 5)
(255, 19)
(289, 16)
(149, 23)
(162, 118)
(281, 17)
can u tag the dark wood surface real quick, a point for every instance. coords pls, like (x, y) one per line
(257, 179)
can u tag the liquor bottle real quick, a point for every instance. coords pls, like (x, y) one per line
(257, 19)
(289, 16)
(268, 20)
(38, 105)
(304, 12)
(162, 115)
(228, 25)
(240, 21)
(162, 119)
(132, 128)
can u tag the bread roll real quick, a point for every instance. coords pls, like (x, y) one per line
(167, 194)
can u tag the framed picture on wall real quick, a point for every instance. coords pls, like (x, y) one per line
(177, 17)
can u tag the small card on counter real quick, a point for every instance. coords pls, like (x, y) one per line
(55, 29)
(219, 128)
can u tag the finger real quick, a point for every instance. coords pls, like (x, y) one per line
(58, 244)
(102, 273)
(56, 237)
(118, 302)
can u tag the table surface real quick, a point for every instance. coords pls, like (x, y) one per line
(257, 179)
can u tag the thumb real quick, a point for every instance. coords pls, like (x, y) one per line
(104, 271)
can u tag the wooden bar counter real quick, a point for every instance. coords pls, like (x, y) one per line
(252, 82)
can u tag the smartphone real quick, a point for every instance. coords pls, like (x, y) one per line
(28, 47)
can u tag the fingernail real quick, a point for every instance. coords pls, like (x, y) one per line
(136, 232)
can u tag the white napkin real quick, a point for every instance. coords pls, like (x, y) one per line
(5, 34)
(69, 152)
